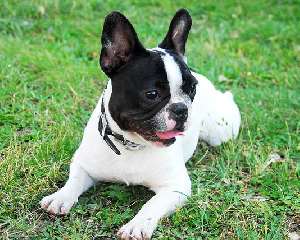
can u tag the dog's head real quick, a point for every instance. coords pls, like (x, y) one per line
(152, 90)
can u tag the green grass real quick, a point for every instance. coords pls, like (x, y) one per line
(50, 81)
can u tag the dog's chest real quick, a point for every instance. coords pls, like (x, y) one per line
(145, 167)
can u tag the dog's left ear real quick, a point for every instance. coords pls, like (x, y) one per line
(178, 32)
(120, 43)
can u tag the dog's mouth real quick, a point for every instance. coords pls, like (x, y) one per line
(162, 138)
(159, 137)
(167, 138)
(169, 134)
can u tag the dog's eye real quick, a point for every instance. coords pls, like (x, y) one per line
(152, 95)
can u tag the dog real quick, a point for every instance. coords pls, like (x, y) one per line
(147, 123)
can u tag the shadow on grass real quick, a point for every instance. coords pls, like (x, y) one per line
(102, 210)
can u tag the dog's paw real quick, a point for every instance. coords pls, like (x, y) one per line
(137, 229)
(58, 203)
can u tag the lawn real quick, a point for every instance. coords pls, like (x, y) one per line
(50, 81)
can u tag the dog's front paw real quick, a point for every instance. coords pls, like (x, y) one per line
(58, 203)
(137, 229)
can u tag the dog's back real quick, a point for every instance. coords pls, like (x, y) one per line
(215, 117)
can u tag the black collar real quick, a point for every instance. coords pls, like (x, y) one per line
(105, 131)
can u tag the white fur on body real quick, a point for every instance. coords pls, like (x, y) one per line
(214, 118)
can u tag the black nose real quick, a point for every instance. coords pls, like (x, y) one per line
(179, 111)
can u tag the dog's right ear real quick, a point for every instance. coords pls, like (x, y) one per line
(119, 43)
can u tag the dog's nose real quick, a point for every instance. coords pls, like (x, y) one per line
(179, 111)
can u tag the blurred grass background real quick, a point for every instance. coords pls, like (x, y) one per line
(50, 81)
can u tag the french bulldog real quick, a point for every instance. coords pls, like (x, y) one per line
(147, 123)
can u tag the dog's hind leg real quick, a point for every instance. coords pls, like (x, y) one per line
(61, 201)
(221, 121)
(216, 112)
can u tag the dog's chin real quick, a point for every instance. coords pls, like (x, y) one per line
(165, 142)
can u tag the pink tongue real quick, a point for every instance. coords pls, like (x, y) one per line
(168, 134)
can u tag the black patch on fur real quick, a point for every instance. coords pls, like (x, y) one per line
(188, 80)
(128, 104)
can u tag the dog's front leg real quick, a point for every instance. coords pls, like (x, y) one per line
(61, 201)
(162, 204)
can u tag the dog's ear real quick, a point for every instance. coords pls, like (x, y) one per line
(178, 32)
(119, 43)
